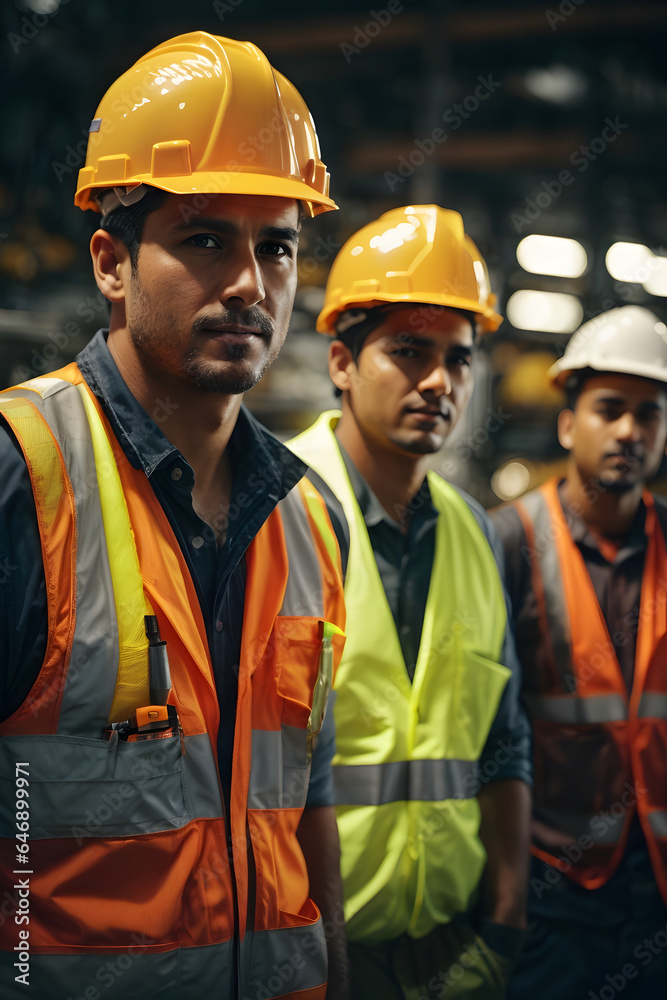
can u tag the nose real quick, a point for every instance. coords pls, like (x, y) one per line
(243, 283)
(627, 427)
(437, 381)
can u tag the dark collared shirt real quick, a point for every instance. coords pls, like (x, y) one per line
(405, 562)
(264, 471)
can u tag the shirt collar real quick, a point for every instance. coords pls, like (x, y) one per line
(251, 446)
(634, 541)
(371, 509)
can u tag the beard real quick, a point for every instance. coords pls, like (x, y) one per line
(242, 374)
(425, 446)
(616, 486)
(159, 343)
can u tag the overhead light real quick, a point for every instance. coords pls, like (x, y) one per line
(510, 480)
(552, 255)
(557, 84)
(629, 262)
(43, 7)
(545, 312)
(657, 280)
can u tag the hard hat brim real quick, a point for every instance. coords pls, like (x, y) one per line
(488, 320)
(214, 183)
(559, 373)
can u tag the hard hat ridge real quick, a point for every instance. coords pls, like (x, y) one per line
(629, 340)
(418, 254)
(203, 114)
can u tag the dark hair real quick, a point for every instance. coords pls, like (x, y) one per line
(127, 222)
(355, 337)
(576, 382)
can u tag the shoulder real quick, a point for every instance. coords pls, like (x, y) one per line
(476, 508)
(483, 522)
(661, 512)
(508, 525)
(15, 479)
(336, 514)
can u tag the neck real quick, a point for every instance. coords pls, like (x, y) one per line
(603, 511)
(394, 476)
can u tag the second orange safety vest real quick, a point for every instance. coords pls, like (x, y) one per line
(600, 755)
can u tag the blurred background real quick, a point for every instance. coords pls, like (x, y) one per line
(542, 124)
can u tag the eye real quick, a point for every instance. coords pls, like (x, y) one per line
(272, 248)
(205, 241)
(403, 352)
(460, 361)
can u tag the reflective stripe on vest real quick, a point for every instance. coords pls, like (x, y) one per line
(612, 744)
(86, 689)
(144, 813)
(555, 626)
(574, 711)
(410, 750)
(598, 708)
(405, 780)
(652, 705)
(658, 820)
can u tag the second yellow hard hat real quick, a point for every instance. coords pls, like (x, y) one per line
(420, 254)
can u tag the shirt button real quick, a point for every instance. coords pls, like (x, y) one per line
(176, 473)
(197, 542)
(218, 626)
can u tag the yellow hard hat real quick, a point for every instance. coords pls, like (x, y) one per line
(204, 114)
(418, 254)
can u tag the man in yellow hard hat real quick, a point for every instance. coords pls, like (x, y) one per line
(431, 768)
(587, 573)
(173, 615)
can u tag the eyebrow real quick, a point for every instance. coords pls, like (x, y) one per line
(413, 341)
(646, 404)
(225, 226)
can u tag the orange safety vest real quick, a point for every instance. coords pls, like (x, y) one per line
(128, 886)
(599, 755)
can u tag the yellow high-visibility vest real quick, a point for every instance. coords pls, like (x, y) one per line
(406, 753)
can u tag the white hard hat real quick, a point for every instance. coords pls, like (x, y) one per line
(630, 340)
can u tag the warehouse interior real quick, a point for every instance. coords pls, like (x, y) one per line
(530, 120)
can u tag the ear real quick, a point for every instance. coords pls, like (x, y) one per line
(111, 265)
(565, 428)
(341, 365)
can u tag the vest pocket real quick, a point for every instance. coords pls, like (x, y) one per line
(298, 648)
(469, 688)
(82, 787)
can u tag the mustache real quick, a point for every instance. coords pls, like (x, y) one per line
(629, 451)
(253, 317)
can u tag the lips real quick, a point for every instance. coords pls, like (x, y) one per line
(430, 412)
(233, 329)
(622, 460)
(248, 323)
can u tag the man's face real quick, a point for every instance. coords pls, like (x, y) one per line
(412, 380)
(211, 298)
(616, 433)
